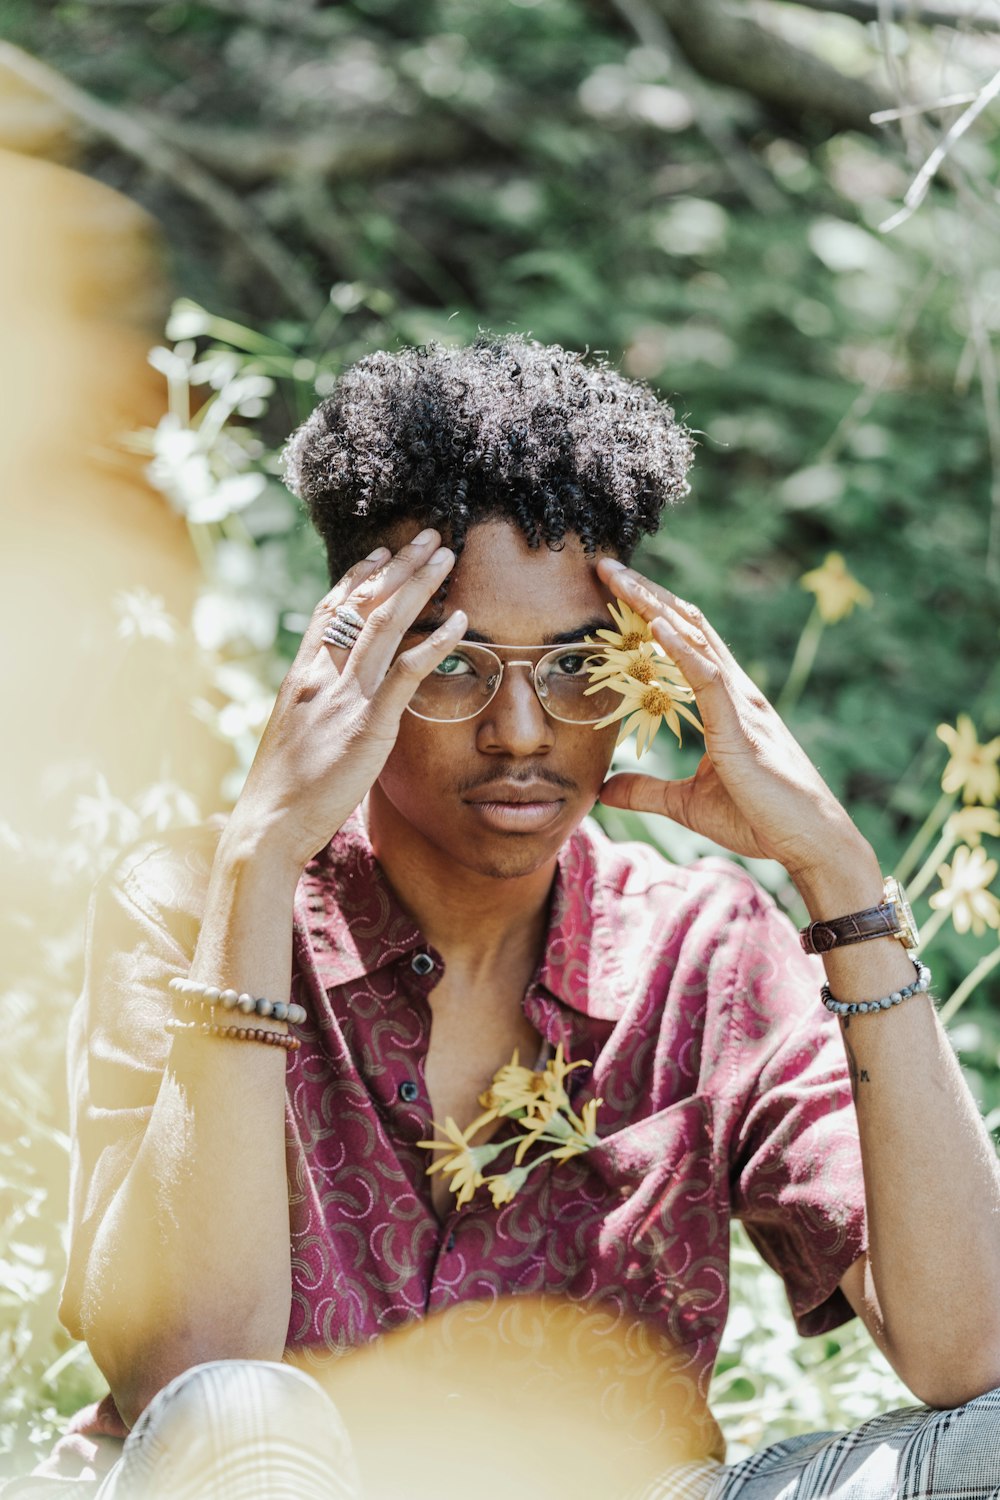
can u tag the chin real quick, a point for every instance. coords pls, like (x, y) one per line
(507, 856)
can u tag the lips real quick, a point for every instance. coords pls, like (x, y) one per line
(515, 793)
(517, 807)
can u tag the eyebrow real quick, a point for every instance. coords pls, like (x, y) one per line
(598, 622)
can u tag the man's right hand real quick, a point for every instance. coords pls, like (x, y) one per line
(337, 712)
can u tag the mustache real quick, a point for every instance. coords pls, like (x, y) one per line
(525, 778)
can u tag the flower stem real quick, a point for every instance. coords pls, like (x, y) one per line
(928, 828)
(979, 973)
(930, 930)
(929, 868)
(802, 662)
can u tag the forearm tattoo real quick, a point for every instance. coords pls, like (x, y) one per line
(858, 1075)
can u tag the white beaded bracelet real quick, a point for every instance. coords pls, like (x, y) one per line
(211, 995)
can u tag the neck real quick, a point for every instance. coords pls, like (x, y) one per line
(474, 920)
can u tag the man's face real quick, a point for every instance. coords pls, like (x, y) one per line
(462, 786)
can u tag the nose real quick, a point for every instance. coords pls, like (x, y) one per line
(514, 721)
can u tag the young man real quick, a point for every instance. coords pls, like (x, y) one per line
(408, 863)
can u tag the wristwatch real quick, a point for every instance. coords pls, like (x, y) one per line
(892, 918)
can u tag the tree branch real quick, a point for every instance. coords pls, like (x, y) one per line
(137, 140)
(319, 26)
(246, 156)
(917, 191)
(968, 17)
(735, 50)
(740, 164)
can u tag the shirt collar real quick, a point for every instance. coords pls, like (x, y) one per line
(354, 919)
(357, 925)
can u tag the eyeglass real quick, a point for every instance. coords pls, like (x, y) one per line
(469, 678)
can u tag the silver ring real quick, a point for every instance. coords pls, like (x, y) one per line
(346, 614)
(345, 628)
(335, 637)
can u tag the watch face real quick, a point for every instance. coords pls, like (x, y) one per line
(908, 933)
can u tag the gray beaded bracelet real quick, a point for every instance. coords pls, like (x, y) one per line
(210, 995)
(862, 1007)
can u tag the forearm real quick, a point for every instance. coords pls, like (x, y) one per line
(192, 1260)
(932, 1184)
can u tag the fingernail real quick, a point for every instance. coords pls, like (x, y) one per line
(440, 555)
(379, 555)
(613, 563)
(424, 537)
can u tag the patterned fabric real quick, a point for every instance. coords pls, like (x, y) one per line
(240, 1429)
(916, 1454)
(232, 1430)
(724, 1084)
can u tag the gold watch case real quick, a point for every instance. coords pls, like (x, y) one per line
(895, 896)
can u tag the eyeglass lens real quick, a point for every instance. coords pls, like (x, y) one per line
(464, 683)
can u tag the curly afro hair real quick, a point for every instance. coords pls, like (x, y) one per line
(504, 428)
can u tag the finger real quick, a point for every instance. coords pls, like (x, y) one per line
(691, 642)
(341, 591)
(372, 580)
(388, 622)
(652, 600)
(412, 666)
(397, 570)
(638, 793)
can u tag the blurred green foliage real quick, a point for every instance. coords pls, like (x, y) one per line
(387, 173)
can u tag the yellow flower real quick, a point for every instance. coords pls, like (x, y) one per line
(464, 1162)
(646, 664)
(503, 1188)
(588, 1116)
(538, 1099)
(652, 687)
(970, 823)
(513, 1088)
(574, 1146)
(632, 628)
(837, 591)
(644, 707)
(556, 1070)
(965, 893)
(544, 1116)
(972, 769)
(585, 1132)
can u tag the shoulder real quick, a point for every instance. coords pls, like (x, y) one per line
(635, 934)
(166, 876)
(634, 877)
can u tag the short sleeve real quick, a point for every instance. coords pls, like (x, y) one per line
(142, 928)
(795, 1158)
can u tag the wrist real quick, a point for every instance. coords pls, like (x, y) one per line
(252, 851)
(847, 879)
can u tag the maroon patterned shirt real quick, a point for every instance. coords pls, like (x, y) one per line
(724, 1086)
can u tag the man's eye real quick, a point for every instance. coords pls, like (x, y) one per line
(571, 665)
(453, 666)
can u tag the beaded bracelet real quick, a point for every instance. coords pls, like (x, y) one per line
(281, 1039)
(861, 1007)
(209, 994)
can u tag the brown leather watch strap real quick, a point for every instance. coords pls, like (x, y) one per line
(858, 927)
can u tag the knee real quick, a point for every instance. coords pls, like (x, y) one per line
(233, 1428)
(254, 1395)
(960, 1447)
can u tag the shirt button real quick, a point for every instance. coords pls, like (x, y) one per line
(421, 963)
(449, 1243)
(408, 1091)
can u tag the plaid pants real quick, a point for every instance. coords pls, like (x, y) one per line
(239, 1430)
(917, 1453)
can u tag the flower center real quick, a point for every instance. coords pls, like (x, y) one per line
(642, 670)
(656, 701)
(632, 640)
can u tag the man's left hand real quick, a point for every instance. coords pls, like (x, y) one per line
(755, 791)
